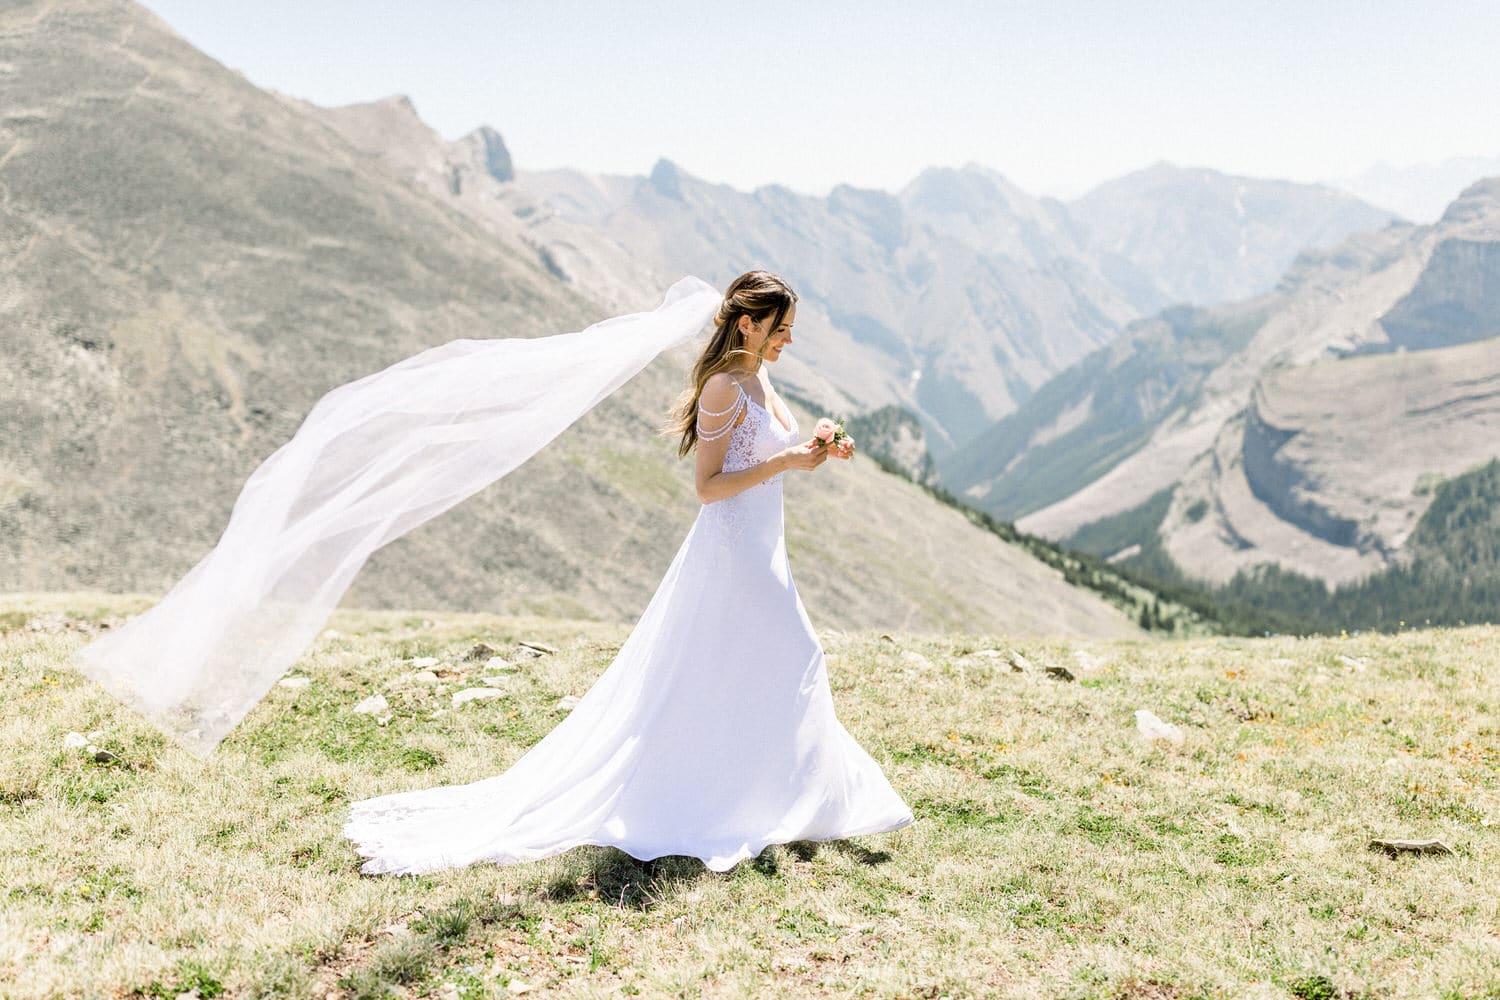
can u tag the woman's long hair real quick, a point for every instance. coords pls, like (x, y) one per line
(756, 294)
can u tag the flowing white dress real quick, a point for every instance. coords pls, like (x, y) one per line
(711, 735)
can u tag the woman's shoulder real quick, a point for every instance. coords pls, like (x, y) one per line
(720, 389)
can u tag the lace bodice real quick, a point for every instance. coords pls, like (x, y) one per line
(755, 439)
(758, 437)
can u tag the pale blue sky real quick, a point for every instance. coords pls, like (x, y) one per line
(1057, 96)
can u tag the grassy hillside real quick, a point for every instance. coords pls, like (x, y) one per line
(1057, 853)
(194, 263)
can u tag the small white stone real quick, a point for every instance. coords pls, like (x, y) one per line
(916, 659)
(294, 682)
(566, 703)
(1152, 728)
(373, 705)
(424, 677)
(384, 719)
(1087, 660)
(425, 661)
(475, 694)
(498, 663)
(75, 741)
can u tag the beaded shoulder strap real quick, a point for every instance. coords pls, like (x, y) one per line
(731, 414)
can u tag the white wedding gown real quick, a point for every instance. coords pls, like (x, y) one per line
(712, 734)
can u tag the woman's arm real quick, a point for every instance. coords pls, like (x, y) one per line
(721, 408)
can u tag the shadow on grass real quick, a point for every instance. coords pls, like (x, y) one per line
(860, 853)
(610, 875)
(807, 850)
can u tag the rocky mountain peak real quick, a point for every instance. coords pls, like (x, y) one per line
(666, 179)
(399, 102)
(1479, 201)
(960, 190)
(492, 153)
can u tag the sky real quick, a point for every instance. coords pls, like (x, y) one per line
(1058, 96)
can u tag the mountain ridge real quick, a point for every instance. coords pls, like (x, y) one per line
(1017, 286)
(1262, 444)
(1181, 224)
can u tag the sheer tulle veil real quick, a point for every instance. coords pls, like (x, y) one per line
(373, 459)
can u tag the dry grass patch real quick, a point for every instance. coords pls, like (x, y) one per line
(1056, 854)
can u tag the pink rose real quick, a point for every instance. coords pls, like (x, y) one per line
(825, 430)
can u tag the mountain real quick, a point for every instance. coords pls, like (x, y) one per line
(897, 311)
(961, 295)
(1332, 464)
(1307, 428)
(1097, 413)
(190, 262)
(1447, 573)
(953, 299)
(1206, 237)
(474, 175)
(1422, 191)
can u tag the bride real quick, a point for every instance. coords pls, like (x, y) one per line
(713, 732)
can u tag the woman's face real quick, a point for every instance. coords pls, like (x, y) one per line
(758, 335)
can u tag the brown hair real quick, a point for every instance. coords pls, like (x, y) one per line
(756, 294)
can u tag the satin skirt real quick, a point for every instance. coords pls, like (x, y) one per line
(712, 734)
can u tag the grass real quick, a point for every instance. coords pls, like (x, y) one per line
(1055, 853)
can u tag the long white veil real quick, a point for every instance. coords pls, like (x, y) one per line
(374, 459)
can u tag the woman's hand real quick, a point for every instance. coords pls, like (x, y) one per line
(805, 456)
(843, 448)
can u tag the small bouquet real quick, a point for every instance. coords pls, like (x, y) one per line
(831, 434)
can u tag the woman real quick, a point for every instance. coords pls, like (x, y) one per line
(712, 734)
